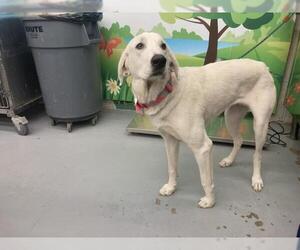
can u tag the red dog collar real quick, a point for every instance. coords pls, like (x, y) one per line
(139, 107)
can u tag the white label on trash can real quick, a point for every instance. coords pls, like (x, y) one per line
(34, 31)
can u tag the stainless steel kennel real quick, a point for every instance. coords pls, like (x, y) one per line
(19, 87)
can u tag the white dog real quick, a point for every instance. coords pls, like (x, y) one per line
(180, 101)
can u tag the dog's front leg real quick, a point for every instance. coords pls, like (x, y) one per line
(203, 157)
(172, 148)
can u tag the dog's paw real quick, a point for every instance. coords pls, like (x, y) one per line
(257, 184)
(206, 202)
(226, 162)
(167, 190)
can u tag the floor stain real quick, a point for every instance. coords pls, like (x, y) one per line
(259, 223)
(167, 205)
(297, 153)
(268, 204)
(248, 235)
(252, 215)
(157, 201)
(224, 227)
(173, 211)
(218, 228)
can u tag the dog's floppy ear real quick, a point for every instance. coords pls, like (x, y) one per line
(123, 70)
(173, 64)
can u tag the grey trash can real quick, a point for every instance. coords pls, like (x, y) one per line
(65, 53)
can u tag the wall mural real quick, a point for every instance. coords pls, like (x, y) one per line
(194, 48)
(293, 97)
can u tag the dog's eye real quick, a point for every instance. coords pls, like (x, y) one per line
(140, 46)
(163, 46)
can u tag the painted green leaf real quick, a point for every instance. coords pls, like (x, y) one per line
(238, 6)
(227, 18)
(253, 24)
(238, 18)
(210, 15)
(254, 15)
(170, 17)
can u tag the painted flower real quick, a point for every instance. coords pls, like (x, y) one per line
(287, 18)
(243, 128)
(109, 46)
(297, 88)
(290, 101)
(113, 87)
(223, 133)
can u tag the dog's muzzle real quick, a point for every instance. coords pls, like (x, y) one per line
(158, 63)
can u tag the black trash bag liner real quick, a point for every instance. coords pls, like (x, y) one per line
(78, 18)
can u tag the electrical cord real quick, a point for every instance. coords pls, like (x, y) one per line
(275, 133)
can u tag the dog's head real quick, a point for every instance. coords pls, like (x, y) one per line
(147, 58)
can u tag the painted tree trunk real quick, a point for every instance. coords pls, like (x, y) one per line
(212, 51)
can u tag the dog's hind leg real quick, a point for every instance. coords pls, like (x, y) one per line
(262, 110)
(233, 117)
(172, 149)
(261, 103)
(261, 122)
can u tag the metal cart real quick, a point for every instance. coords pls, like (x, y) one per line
(19, 87)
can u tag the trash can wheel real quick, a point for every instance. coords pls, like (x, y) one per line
(69, 127)
(53, 122)
(95, 120)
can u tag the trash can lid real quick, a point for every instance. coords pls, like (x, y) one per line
(78, 18)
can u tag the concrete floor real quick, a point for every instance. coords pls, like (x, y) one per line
(100, 181)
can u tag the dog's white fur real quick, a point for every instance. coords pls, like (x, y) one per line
(200, 93)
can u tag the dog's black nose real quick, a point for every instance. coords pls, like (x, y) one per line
(158, 61)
